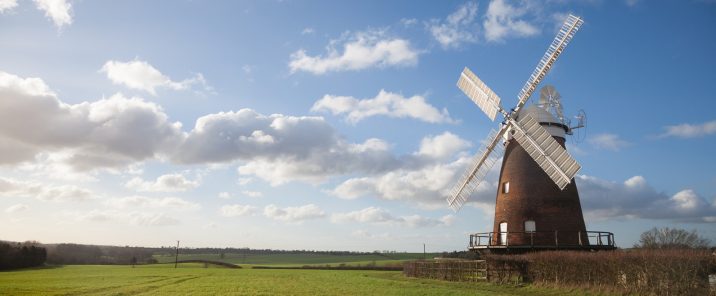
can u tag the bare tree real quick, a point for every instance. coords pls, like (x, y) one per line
(671, 238)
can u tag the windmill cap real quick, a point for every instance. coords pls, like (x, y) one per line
(546, 119)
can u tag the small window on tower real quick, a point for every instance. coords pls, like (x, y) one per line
(506, 187)
(530, 226)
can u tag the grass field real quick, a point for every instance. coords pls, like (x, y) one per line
(300, 259)
(193, 279)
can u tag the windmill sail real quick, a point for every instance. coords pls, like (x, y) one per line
(545, 150)
(569, 28)
(479, 93)
(475, 173)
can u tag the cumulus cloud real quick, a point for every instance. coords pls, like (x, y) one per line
(608, 141)
(109, 132)
(59, 11)
(280, 148)
(360, 51)
(375, 215)
(443, 146)
(294, 214)
(424, 179)
(164, 183)
(502, 20)
(427, 186)
(224, 195)
(7, 5)
(16, 208)
(41, 191)
(686, 130)
(237, 210)
(635, 198)
(307, 31)
(458, 28)
(133, 202)
(385, 103)
(140, 75)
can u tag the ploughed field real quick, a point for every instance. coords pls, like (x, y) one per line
(200, 279)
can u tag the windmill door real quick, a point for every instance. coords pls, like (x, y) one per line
(503, 233)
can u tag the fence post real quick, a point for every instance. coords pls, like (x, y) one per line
(579, 234)
(556, 238)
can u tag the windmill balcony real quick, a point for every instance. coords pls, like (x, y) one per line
(501, 242)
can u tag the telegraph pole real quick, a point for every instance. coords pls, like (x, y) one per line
(423, 251)
(176, 258)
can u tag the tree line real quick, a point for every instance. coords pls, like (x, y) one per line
(14, 256)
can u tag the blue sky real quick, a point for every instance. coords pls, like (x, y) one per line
(333, 125)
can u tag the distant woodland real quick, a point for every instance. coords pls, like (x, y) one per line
(15, 255)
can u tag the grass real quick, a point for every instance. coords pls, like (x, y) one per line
(300, 259)
(193, 279)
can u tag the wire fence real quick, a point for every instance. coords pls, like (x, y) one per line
(448, 270)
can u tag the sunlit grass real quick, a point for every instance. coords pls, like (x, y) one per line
(193, 279)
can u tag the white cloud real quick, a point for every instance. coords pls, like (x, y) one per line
(132, 202)
(16, 208)
(96, 216)
(360, 51)
(458, 28)
(408, 22)
(375, 215)
(424, 179)
(164, 183)
(365, 234)
(502, 20)
(254, 194)
(224, 195)
(608, 141)
(41, 191)
(632, 2)
(152, 219)
(385, 103)
(7, 5)
(59, 11)
(443, 146)
(686, 130)
(307, 31)
(132, 218)
(294, 214)
(141, 75)
(280, 148)
(237, 210)
(110, 132)
(635, 198)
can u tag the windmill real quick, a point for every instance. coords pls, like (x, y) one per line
(536, 197)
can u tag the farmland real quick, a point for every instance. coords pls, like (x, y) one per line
(287, 259)
(195, 279)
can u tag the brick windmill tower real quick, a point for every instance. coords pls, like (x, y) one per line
(537, 204)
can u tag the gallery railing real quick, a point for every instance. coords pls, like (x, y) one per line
(543, 239)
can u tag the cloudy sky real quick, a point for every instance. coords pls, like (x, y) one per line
(333, 125)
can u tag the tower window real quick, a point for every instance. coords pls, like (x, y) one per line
(530, 226)
(506, 187)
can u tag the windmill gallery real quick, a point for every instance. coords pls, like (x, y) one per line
(537, 204)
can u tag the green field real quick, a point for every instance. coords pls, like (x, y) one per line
(194, 279)
(300, 259)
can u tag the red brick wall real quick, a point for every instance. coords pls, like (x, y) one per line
(534, 196)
